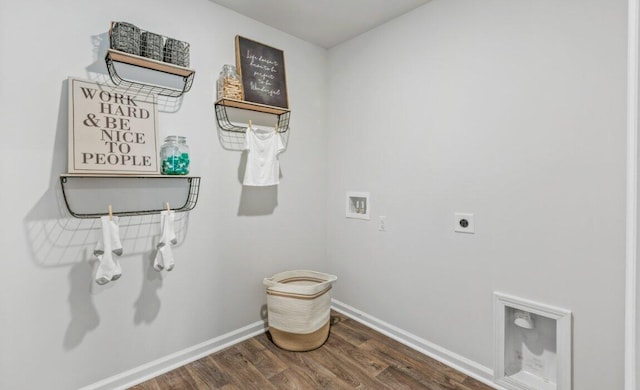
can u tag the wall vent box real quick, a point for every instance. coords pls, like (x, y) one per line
(358, 205)
(532, 345)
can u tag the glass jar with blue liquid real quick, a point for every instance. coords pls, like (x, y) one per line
(174, 154)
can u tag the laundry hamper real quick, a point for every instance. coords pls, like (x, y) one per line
(299, 305)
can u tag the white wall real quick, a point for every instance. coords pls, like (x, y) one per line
(513, 111)
(58, 330)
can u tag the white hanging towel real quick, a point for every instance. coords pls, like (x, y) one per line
(164, 255)
(263, 167)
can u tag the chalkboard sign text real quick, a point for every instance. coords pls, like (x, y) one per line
(261, 68)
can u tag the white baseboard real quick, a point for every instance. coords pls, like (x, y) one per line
(170, 362)
(451, 359)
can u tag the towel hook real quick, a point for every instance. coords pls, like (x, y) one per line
(250, 124)
(276, 128)
(110, 213)
(168, 208)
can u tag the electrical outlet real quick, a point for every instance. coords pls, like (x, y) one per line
(464, 223)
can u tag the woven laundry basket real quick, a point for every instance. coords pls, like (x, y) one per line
(299, 305)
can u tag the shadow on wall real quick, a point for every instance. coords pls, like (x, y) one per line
(84, 316)
(255, 201)
(147, 306)
(58, 240)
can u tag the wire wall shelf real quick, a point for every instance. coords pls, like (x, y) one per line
(114, 56)
(225, 124)
(185, 194)
(131, 45)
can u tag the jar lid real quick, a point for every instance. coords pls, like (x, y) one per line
(175, 138)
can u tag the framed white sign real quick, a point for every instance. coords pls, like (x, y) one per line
(111, 132)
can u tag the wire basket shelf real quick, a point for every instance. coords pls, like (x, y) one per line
(131, 45)
(192, 187)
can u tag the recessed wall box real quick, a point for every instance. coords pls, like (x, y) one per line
(358, 205)
(532, 345)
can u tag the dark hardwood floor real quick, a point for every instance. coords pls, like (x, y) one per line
(354, 356)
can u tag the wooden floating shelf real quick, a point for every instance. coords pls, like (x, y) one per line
(127, 176)
(224, 123)
(132, 59)
(113, 56)
(245, 105)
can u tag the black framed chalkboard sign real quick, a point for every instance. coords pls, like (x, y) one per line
(261, 68)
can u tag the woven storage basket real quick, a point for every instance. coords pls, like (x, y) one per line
(299, 305)
(151, 45)
(125, 37)
(176, 52)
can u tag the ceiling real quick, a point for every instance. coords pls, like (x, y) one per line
(325, 22)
